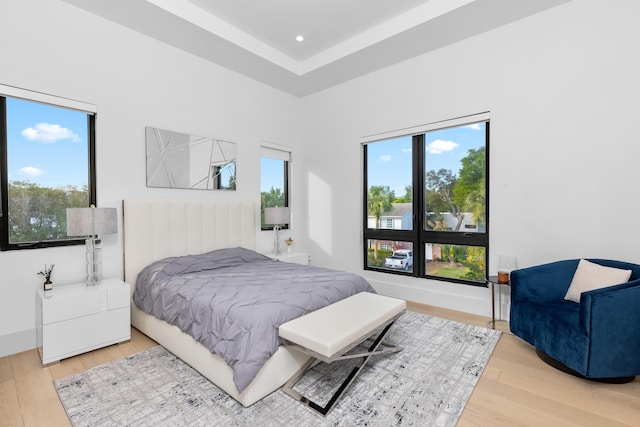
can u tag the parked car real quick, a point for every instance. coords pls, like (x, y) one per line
(402, 259)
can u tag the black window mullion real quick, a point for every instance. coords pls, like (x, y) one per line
(418, 203)
(4, 183)
(365, 215)
(486, 189)
(386, 234)
(452, 237)
(91, 129)
(286, 184)
(286, 190)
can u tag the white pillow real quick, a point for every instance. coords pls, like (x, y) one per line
(590, 276)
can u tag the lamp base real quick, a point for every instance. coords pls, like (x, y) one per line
(94, 261)
(276, 243)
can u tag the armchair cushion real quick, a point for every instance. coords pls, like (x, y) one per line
(590, 276)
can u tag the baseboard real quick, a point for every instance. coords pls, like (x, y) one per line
(468, 299)
(17, 342)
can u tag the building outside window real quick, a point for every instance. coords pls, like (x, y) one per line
(427, 192)
(47, 165)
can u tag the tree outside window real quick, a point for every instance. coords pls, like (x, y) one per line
(444, 171)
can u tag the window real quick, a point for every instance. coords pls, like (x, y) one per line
(46, 165)
(386, 223)
(274, 181)
(427, 193)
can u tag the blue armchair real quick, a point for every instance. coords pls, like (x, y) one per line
(597, 339)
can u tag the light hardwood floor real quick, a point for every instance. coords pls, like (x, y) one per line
(515, 389)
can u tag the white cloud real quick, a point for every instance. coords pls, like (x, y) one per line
(406, 150)
(385, 158)
(474, 126)
(440, 146)
(45, 132)
(30, 171)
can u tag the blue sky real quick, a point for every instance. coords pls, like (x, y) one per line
(46, 145)
(271, 174)
(389, 162)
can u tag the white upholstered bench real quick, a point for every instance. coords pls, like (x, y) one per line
(328, 334)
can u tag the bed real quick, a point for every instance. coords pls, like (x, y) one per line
(156, 229)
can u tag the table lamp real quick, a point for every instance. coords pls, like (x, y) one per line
(277, 217)
(92, 222)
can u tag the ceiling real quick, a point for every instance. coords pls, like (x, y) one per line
(343, 39)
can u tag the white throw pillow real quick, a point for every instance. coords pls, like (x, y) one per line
(590, 276)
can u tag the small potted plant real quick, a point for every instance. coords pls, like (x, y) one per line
(46, 273)
(289, 243)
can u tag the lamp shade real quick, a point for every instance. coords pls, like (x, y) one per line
(276, 216)
(91, 221)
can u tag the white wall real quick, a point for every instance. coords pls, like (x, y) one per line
(53, 47)
(563, 89)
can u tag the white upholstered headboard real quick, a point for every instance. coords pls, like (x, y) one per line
(160, 228)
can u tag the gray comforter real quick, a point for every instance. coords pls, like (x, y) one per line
(233, 301)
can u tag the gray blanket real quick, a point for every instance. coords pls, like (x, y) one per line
(233, 301)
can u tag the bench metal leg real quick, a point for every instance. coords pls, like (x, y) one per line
(365, 356)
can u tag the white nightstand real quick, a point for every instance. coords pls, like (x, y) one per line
(74, 319)
(294, 257)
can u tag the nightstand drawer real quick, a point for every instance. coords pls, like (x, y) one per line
(65, 304)
(79, 335)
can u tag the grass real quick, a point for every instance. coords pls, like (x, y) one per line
(445, 269)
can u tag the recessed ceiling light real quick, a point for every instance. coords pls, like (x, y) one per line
(299, 38)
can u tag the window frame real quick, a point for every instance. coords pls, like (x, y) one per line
(265, 151)
(89, 110)
(418, 236)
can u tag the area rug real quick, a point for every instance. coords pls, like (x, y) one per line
(426, 384)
